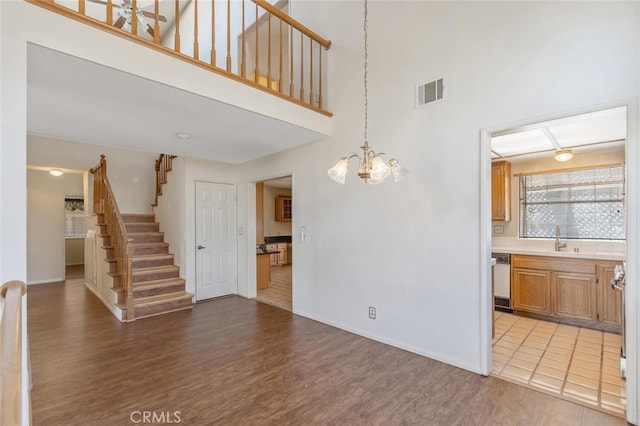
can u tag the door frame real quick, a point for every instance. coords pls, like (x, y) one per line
(195, 236)
(252, 271)
(631, 314)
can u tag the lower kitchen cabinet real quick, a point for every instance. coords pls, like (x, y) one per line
(576, 291)
(575, 295)
(531, 290)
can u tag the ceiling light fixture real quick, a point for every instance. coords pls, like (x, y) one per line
(372, 167)
(563, 155)
(56, 172)
(183, 136)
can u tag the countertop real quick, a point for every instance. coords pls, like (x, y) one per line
(571, 254)
(261, 252)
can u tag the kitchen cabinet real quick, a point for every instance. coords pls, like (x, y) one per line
(273, 257)
(531, 290)
(283, 208)
(610, 299)
(574, 291)
(501, 191)
(575, 295)
(282, 255)
(263, 271)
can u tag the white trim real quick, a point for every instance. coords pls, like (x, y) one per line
(117, 312)
(47, 281)
(633, 184)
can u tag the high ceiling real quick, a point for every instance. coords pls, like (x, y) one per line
(72, 99)
(594, 131)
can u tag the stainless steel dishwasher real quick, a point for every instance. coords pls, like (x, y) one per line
(502, 281)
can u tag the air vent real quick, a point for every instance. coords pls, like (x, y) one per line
(430, 92)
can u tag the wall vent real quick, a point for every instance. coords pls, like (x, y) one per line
(430, 92)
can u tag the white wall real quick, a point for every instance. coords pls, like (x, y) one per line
(411, 249)
(271, 226)
(131, 173)
(45, 224)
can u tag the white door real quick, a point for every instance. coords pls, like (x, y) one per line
(216, 243)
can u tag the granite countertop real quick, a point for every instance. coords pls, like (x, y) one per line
(261, 252)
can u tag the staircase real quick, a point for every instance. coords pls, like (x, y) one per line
(157, 286)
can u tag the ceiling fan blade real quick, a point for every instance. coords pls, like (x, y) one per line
(120, 22)
(152, 15)
(98, 1)
(150, 30)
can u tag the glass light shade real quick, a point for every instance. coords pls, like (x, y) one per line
(55, 172)
(339, 172)
(379, 170)
(563, 155)
(398, 171)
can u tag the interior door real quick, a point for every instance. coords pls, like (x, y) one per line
(216, 243)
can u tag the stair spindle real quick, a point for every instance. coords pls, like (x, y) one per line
(213, 33)
(176, 38)
(196, 45)
(229, 35)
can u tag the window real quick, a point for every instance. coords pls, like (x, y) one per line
(585, 204)
(73, 217)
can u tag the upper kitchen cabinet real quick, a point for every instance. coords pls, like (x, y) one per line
(501, 191)
(283, 208)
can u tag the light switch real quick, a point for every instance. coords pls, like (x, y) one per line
(303, 233)
(240, 230)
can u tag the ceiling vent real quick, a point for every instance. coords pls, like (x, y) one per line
(430, 92)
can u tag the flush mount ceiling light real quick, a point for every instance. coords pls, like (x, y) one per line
(563, 155)
(55, 172)
(183, 136)
(372, 168)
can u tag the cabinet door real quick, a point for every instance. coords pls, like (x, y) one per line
(283, 209)
(531, 290)
(501, 191)
(609, 299)
(575, 295)
(282, 256)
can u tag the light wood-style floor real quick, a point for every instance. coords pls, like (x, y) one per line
(278, 293)
(233, 361)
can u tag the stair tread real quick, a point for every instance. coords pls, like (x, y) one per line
(150, 244)
(144, 234)
(154, 256)
(161, 298)
(158, 283)
(155, 269)
(138, 214)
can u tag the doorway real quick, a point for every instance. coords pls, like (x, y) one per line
(274, 248)
(540, 340)
(216, 241)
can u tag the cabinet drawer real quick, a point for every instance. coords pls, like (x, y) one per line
(560, 264)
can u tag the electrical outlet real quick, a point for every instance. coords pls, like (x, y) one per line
(498, 229)
(372, 312)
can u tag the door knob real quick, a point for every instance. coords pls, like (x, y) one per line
(201, 247)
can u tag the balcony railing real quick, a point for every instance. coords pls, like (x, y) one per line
(251, 41)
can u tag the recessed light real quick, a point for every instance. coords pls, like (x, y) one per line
(563, 155)
(56, 172)
(183, 136)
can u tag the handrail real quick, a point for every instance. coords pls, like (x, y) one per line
(119, 242)
(11, 365)
(162, 167)
(291, 67)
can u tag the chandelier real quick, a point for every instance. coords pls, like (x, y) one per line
(372, 168)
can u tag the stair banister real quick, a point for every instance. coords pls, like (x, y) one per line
(106, 207)
(308, 74)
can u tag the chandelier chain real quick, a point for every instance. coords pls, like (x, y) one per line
(366, 56)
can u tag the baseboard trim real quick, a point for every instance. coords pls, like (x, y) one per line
(48, 281)
(117, 312)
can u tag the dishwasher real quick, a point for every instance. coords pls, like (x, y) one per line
(502, 282)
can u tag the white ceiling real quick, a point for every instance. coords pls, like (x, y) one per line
(72, 99)
(594, 131)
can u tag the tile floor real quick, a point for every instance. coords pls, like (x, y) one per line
(574, 363)
(279, 291)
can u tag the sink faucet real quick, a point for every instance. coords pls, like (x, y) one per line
(558, 244)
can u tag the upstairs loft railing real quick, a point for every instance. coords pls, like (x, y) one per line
(250, 41)
(162, 167)
(12, 368)
(114, 233)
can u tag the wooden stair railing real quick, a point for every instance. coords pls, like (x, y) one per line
(12, 369)
(114, 231)
(163, 166)
(290, 66)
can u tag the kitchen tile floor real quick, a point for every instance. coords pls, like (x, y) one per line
(577, 364)
(279, 291)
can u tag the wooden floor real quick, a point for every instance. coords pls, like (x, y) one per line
(233, 361)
